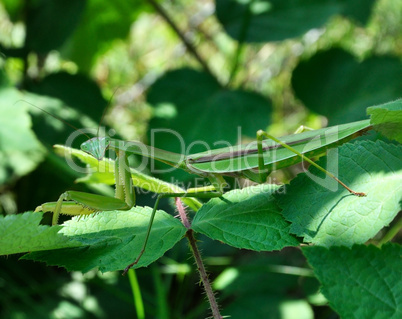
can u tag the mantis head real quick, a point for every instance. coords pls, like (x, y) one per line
(96, 146)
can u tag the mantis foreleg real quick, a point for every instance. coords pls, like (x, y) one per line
(79, 203)
(124, 182)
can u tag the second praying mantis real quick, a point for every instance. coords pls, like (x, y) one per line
(253, 161)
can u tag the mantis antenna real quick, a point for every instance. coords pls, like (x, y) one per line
(55, 116)
(105, 110)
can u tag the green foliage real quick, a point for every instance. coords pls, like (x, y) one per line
(368, 277)
(372, 81)
(338, 218)
(102, 22)
(20, 150)
(32, 236)
(120, 234)
(276, 20)
(87, 95)
(175, 99)
(331, 60)
(262, 287)
(247, 218)
(50, 23)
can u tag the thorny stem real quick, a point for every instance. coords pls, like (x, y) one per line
(182, 213)
(198, 260)
(182, 37)
(203, 275)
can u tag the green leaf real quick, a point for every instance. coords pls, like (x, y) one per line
(87, 97)
(247, 218)
(257, 286)
(14, 8)
(326, 214)
(49, 23)
(387, 119)
(361, 282)
(272, 306)
(20, 151)
(112, 240)
(195, 106)
(4, 80)
(343, 87)
(102, 22)
(276, 20)
(21, 233)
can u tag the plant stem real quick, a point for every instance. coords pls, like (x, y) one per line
(182, 213)
(203, 275)
(198, 260)
(135, 287)
(161, 295)
(391, 233)
(245, 24)
(182, 37)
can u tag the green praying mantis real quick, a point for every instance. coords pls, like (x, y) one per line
(253, 161)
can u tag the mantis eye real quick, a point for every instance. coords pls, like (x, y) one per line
(107, 141)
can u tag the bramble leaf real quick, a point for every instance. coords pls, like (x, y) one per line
(112, 240)
(367, 277)
(335, 217)
(101, 24)
(275, 20)
(186, 94)
(349, 86)
(59, 17)
(21, 233)
(247, 218)
(20, 150)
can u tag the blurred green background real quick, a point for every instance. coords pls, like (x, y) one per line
(202, 68)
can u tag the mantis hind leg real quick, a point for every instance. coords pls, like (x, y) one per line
(261, 134)
(303, 128)
(263, 172)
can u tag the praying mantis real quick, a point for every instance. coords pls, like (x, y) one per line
(253, 161)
